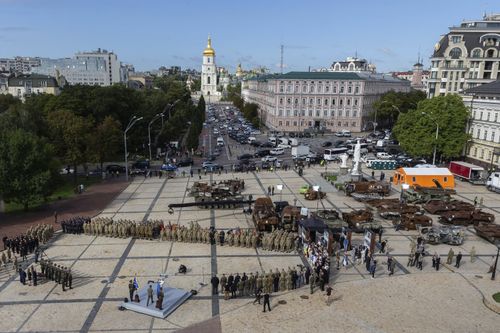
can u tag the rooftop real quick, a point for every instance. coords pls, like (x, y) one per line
(492, 88)
(328, 76)
(427, 171)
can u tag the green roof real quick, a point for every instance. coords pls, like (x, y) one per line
(325, 76)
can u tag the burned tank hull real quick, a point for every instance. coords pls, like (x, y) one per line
(488, 231)
(311, 194)
(367, 187)
(396, 211)
(412, 221)
(451, 235)
(264, 215)
(440, 206)
(466, 217)
(360, 220)
(332, 219)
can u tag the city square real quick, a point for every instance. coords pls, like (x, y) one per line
(102, 267)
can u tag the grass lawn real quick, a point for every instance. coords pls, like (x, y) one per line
(64, 191)
(496, 297)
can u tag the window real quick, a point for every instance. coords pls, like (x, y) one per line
(455, 53)
(445, 179)
(208, 79)
(282, 88)
(342, 89)
(311, 101)
(311, 89)
(355, 113)
(333, 101)
(496, 117)
(327, 89)
(325, 113)
(341, 102)
(296, 101)
(493, 136)
(340, 113)
(414, 179)
(281, 101)
(355, 102)
(478, 134)
(348, 101)
(334, 89)
(304, 88)
(288, 113)
(208, 60)
(288, 101)
(485, 135)
(310, 113)
(318, 101)
(349, 90)
(295, 123)
(317, 113)
(475, 152)
(280, 113)
(456, 39)
(280, 123)
(490, 53)
(339, 124)
(326, 102)
(347, 113)
(287, 123)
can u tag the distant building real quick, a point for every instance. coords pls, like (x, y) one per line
(140, 81)
(4, 82)
(18, 64)
(466, 57)
(418, 76)
(484, 124)
(99, 67)
(333, 101)
(25, 85)
(351, 65)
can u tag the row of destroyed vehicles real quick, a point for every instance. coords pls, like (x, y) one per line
(408, 213)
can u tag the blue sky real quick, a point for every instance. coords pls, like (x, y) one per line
(151, 33)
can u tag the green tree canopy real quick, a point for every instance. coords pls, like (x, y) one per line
(106, 141)
(27, 168)
(6, 101)
(416, 129)
(392, 103)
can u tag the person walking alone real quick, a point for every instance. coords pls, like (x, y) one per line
(267, 302)
(459, 258)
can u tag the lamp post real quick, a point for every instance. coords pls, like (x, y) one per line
(156, 116)
(497, 243)
(131, 123)
(437, 136)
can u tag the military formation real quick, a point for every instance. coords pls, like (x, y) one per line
(253, 284)
(280, 240)
(60, 274)
(123, 228)
(74, 225)
(26, 243)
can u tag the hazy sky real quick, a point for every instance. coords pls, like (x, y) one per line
(152, 33)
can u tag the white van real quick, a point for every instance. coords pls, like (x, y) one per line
(277, 151)
(251, 139)
(273, 140)
(220, 141)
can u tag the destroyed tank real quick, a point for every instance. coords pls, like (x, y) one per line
(264, 214)
(311, 194)
(367, 187)
(420, 194)
(233, 186)
(219, 199)
(451, 235)
(360, 219)
(466, 217)
(488, 231)
(440, 206)
(332, 219)
(396, 211)
(381, 202)
(411, 221)
(289, 217)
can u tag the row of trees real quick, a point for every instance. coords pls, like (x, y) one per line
(82, 125)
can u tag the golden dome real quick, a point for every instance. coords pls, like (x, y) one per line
(209, 51)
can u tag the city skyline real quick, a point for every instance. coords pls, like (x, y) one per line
(148, 35)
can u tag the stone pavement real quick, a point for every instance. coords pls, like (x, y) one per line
(444, 301)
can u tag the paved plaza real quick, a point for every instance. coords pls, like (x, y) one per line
(450, 300)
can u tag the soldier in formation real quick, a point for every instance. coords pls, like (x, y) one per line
(60, 274)
(27, 243)
(74, 225)
(279, 240)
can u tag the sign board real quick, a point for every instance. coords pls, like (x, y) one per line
(279, 187)
(304, 211)
(369, 240)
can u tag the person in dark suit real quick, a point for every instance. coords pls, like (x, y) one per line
(266, 301)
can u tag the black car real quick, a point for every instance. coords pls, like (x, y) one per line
(255, 143)
(185, 162)
(326, 144)
(267, 145)
(266, 165)
(245, 156)
(113, 168)
(262, 153)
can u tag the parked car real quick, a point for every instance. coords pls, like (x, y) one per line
(384, 156)
(326, 144)
(113, 168)
(265, 165)
(269, 158)
(284, 146)
(262, 153)
(277, 151)
(168, 167)
(245, 156)
(185, 162)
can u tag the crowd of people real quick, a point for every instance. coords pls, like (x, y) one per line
(55, 272)
(27, 243)
(74, 225)
(319, 259)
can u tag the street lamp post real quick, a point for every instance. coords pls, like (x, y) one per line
(496, 261)
(131, 123)
(156, 116)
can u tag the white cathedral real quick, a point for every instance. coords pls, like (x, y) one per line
(209, 82)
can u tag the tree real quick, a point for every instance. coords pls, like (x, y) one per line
(106, 141)
(71, 135)
(6, 101)
(392, 103)
(27, 168)
(415, 130)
